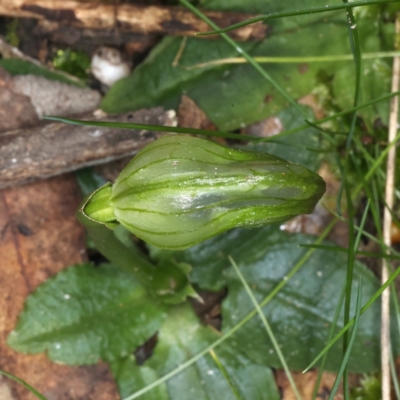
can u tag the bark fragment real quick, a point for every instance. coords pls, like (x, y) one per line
(129, 17)
(51, 149)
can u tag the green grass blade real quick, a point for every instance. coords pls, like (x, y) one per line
(227, 135)
(267, 328)
(224, 373)
(356, 50)
(343, 366)
(331, 331)
(341, 187)
(376, 214)
(157, 128)
(349, 278)
(23, 383)
(363, 220)
(293, 60)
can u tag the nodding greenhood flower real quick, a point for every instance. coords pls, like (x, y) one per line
(181, 190)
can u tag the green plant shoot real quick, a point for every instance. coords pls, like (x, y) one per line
(180, 190)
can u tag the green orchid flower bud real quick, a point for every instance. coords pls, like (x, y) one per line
(181, 190)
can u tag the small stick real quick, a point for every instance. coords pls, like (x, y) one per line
(387, 222)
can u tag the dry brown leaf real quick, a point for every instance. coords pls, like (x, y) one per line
(190, 115)
(305, 384)
(39, 236)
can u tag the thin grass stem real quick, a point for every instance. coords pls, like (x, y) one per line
(343, 366)
(356, 50)
(330, 335)
(224, 372)
(267, 327)
(160, 128)
(23, 383)
(157, 128)
(290, 60)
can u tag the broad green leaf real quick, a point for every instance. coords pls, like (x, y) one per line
(236, 95)
(86, 313)
(242, 96)
(23, 67)
(180, 338)
(231, 95)
(158, 82)
(301, 313)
